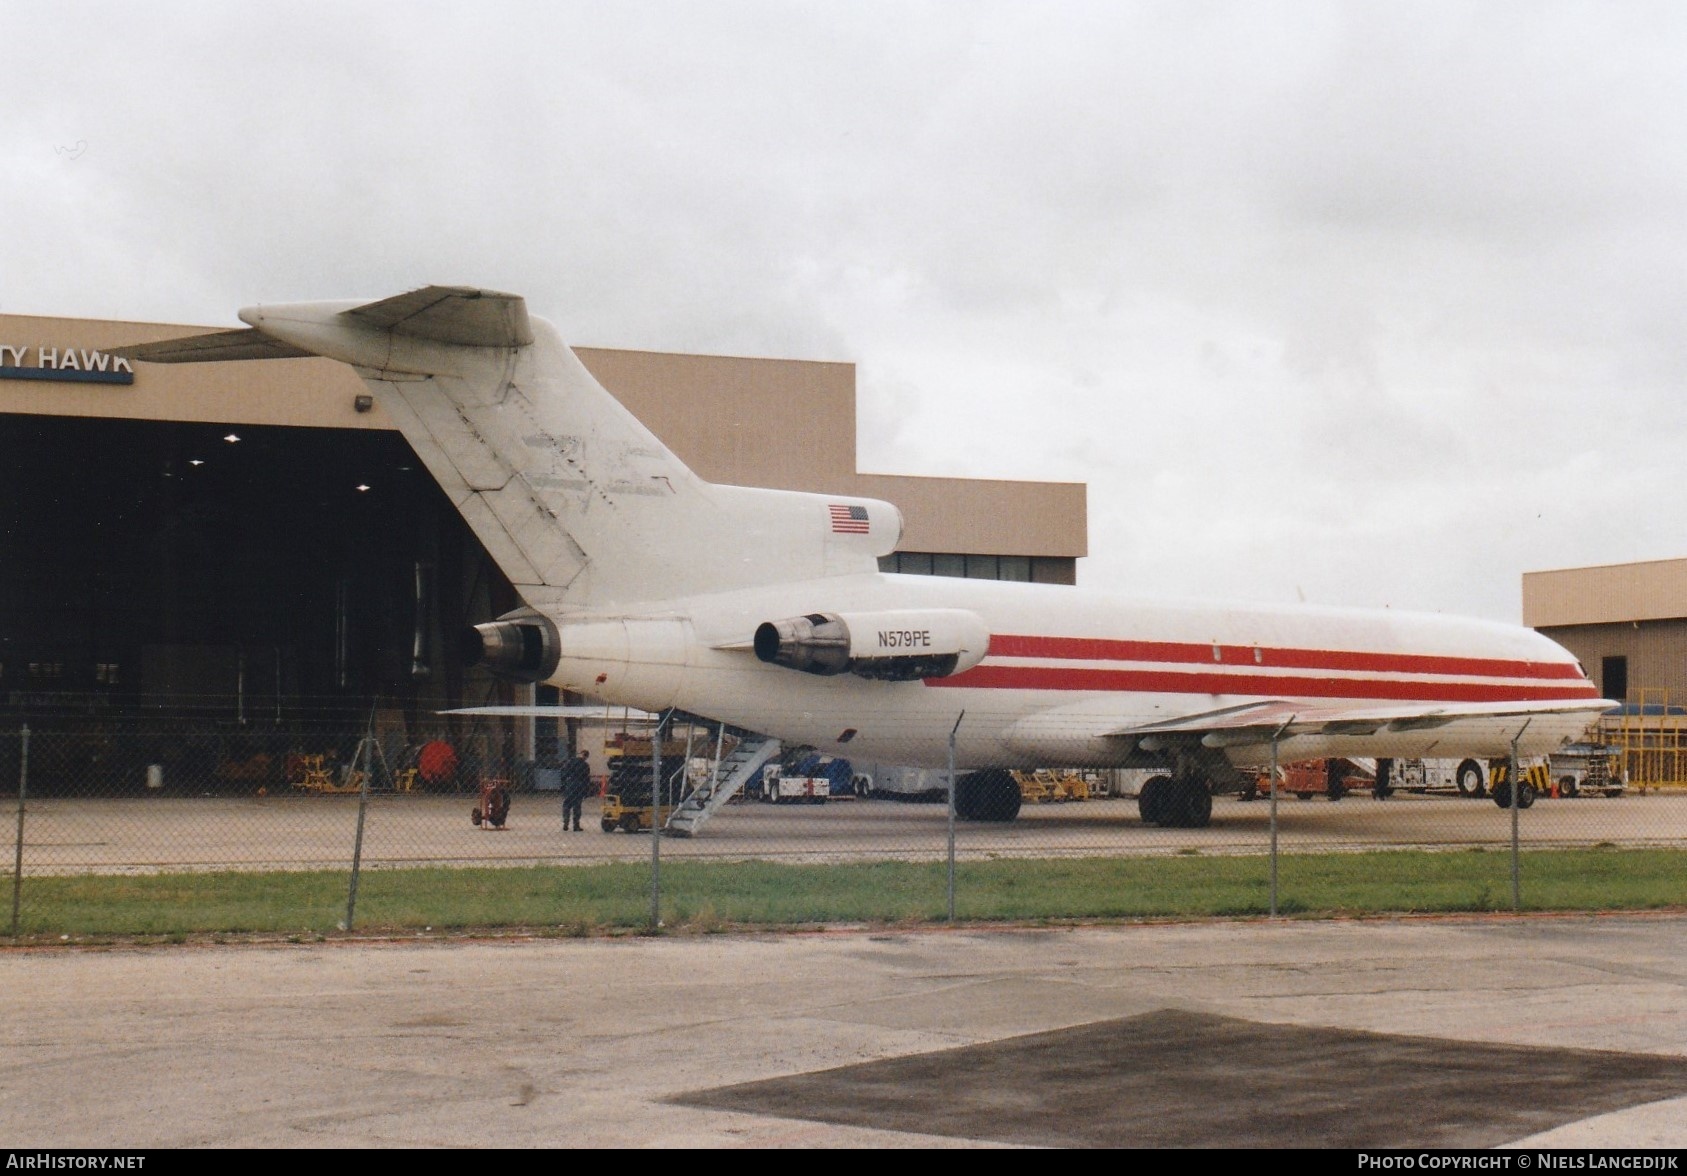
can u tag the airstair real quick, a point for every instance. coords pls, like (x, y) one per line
(731, 773)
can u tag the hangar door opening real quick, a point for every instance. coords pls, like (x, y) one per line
(253, 574)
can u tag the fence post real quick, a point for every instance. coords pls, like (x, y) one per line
(952, 731)
(656, 821)
(1516, 801)
(365, 753)
(1272, 797)
(1275, 737)
(17, 852)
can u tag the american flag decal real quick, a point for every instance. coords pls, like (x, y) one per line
(848, 520)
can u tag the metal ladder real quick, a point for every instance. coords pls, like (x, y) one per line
(728, 780)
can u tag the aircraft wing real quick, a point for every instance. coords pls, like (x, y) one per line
(554, 712)
(1260, 723)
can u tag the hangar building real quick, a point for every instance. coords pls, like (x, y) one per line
(1626, 623)
(254, 543)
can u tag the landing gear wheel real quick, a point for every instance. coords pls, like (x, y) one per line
(1190, 805)
(1151, 800)
(1381, 789)
(1469, 778)
(992, 795)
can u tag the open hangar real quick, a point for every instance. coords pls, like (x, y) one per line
(253, 548)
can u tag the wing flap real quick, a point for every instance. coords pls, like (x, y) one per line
(1280, 719)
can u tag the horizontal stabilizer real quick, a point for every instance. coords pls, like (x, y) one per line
(217, 347)
(452, 314)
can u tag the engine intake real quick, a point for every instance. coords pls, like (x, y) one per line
(901, 646)
(522, 646)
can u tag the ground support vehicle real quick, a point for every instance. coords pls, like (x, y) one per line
(492, 807)
(318, 774)
(1469, 777)
(844, 780)
(1330, 778)
(778, 788)
(1534, 780)
(1587, 769)
(630, 817)
(1047, 786)
(629, 801)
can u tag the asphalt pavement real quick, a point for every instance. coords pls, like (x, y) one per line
(1491, 1031)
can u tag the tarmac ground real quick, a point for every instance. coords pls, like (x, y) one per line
(1480, 1032)
(301, 831)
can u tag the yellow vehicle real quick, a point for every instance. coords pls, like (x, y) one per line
(631, 818)
(1046, 786)
(627, 802)
(1537, 781)
(318, 775)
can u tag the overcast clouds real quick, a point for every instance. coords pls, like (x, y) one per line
(1374, 304)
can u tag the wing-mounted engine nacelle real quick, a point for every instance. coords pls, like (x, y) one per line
(901, 646)
(521, 645)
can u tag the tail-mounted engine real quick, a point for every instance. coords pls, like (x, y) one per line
(901, 646)
(521, 645)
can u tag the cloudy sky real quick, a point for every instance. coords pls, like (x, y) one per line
(1356, 303)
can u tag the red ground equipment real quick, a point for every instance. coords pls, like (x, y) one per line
(436, 763)
(494, 804)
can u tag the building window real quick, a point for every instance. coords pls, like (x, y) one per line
(1020, 568)
(1613, 678)
(105, 673)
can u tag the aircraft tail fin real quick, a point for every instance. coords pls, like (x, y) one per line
(452, 314)
(578, 502)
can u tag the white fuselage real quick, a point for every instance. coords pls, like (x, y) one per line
(762, 608)
(1067, 669)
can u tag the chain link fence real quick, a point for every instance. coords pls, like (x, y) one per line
(183, 827)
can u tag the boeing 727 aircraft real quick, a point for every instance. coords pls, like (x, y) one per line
(648, 587)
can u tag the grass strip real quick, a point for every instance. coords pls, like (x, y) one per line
(704, 896)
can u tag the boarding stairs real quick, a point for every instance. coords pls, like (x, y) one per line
(732, 772)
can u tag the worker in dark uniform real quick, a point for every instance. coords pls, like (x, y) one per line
(576, 782)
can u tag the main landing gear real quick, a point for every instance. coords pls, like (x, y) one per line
(990, 795)
(1181, 802)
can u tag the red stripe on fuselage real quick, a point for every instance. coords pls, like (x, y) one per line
(1190, 653)
(1266, 685)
